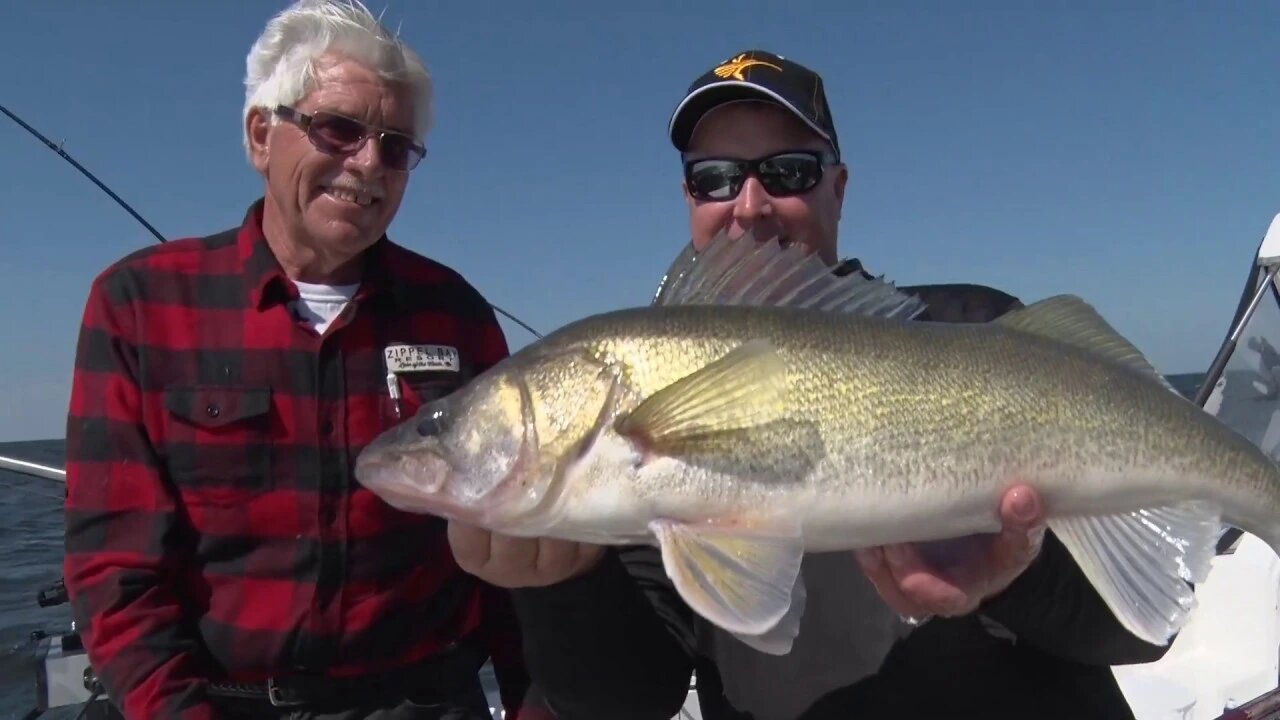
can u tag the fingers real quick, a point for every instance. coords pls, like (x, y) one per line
(512, 559)
(951, 577)
(1022, 514)
(554, 556)
(882, 577)
(1021, 509)
(930, 590)
(956, 557)
(470, 546)
(513, 562)
(557, 560)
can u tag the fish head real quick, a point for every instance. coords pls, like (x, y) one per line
(489, 453)
(457, 455)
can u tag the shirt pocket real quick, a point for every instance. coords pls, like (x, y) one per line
(417, 389)
(219, 442)
(427, 387)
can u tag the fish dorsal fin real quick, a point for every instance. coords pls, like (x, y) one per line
(1071, 320)
(747, 271)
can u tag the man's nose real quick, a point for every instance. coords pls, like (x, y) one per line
(752, 202)
(366, 159)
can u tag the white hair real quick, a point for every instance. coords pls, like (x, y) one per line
(280, 67)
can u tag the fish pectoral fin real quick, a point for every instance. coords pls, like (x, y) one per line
(746, 388)
(1141, 562)
(740, 579)
(778, 639)
(761, 272)
(1069, 319)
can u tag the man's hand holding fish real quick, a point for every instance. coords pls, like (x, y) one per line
(953, 577)
(514, 562)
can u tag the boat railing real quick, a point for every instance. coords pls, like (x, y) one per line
(26, 467)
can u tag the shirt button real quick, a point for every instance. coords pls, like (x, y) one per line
(212, 411)
(327, 427)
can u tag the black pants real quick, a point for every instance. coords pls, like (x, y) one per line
(955, 669)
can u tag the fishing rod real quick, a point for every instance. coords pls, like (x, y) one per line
(65, 156)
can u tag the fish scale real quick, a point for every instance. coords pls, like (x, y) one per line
(870, 400)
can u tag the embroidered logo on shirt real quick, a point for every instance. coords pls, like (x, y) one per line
(421, 358)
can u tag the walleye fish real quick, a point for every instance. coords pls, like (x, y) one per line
(763, 406)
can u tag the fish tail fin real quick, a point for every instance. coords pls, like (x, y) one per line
(1144, 563)
(1272, 537)
(1246, 511)
(1265, 528)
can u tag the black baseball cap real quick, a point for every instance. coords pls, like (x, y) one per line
(755, 75)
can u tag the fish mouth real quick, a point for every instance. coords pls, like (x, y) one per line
(423, 484)
(413, 482)
(417, 474)
(474, 462)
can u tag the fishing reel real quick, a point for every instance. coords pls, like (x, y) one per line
(54, 595)
(63, 675)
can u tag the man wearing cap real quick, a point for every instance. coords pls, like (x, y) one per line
(1011, 629)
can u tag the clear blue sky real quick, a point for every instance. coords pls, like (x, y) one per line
(1123, 151)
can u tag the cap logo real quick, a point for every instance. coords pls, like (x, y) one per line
(734, 67)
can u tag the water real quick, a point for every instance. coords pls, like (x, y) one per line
(31, 560)
(1186, 383)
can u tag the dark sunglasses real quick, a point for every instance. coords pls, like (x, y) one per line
(782, 174)
(335, 134)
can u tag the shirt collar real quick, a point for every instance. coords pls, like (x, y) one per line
(267, 284)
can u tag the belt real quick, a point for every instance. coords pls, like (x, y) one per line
(292, 691)
(445, 673)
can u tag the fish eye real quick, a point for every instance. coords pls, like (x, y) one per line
(430, 425)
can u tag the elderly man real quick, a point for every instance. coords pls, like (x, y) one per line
(221, 560)
(1012, 628)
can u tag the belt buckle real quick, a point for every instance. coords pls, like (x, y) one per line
(274, 695)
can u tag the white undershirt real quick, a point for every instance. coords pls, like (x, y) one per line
(320, 304)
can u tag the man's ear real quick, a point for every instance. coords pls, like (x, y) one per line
(257, 125)
(838, 184)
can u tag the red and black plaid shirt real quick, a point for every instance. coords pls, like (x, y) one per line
(214, 526)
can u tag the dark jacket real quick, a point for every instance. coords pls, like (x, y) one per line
(619, 642)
